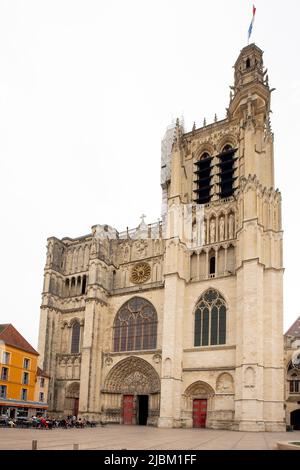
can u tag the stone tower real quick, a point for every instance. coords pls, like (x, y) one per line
(228, 168)
(179, 323)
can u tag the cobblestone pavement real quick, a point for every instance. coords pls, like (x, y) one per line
(116, 437)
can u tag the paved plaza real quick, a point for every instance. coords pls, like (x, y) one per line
(118, 437)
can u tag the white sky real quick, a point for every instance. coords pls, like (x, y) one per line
(87, 89)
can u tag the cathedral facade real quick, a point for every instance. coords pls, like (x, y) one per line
(180, 323)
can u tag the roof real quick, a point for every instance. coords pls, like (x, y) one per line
(41, 373)
(9, 335)
(294, 330)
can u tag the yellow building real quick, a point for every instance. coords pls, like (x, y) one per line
(21, 393)
(41, 386)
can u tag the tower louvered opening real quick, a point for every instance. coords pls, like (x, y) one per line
(203, 179)
(227, 171)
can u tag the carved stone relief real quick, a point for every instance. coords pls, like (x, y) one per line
(225, 383)
(141, 247)
(132, 375)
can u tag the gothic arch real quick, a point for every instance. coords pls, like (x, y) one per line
(228, 139)
(205, 293)
(205, 148)
(72, 390)
(74, 320)
(291, 370)
(132, 375)
(199, 389)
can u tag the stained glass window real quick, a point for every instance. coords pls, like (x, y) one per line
(135, 326)
(210, 319)
(75, 338)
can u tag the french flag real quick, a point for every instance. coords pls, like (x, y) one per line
(251, 24)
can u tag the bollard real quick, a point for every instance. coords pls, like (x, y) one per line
(75, 446)
(34, 445)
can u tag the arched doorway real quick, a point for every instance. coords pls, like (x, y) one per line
(198, 402)
(295, 419)
(72, 399)
(131, 393)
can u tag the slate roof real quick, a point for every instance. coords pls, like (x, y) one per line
(294, 330)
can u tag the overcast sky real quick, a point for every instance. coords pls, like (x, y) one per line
(87, 89)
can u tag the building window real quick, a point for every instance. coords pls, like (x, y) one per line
(41, 398)
(210, 319)
(3, 391)
(26, 364)
(83, 286)
(4, 373)
(212, 265)
(24, 394)
(135, 326)
(75, 338)
(203, 176)
(5, 357)
(294, 384)
(42, 382)
(25, 378)
(227, 171)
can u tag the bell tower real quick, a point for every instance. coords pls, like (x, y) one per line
(250, 101)
(224, 171)
(259, 264)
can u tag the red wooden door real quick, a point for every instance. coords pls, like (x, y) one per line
(76, 406)
(199, 413)
(127, 409)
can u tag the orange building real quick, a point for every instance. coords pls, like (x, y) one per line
(19, 376)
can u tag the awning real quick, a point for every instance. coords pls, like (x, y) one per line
(22, 404)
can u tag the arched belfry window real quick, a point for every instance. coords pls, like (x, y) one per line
(294, 379)
(210, 319)
(203, 176)
(135, 326)
(227, 171)
(75, 341)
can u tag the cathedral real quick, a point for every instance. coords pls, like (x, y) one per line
(179, 323)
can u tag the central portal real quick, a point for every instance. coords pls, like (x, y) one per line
(142, 412)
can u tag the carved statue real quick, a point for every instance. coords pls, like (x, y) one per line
(212, 231)
(194, 233)
(141, 248)
(126, 253)
(222, 226)
(94, 248)
(249, 109)
(50, 253)
(157, 247)
(231, 226)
